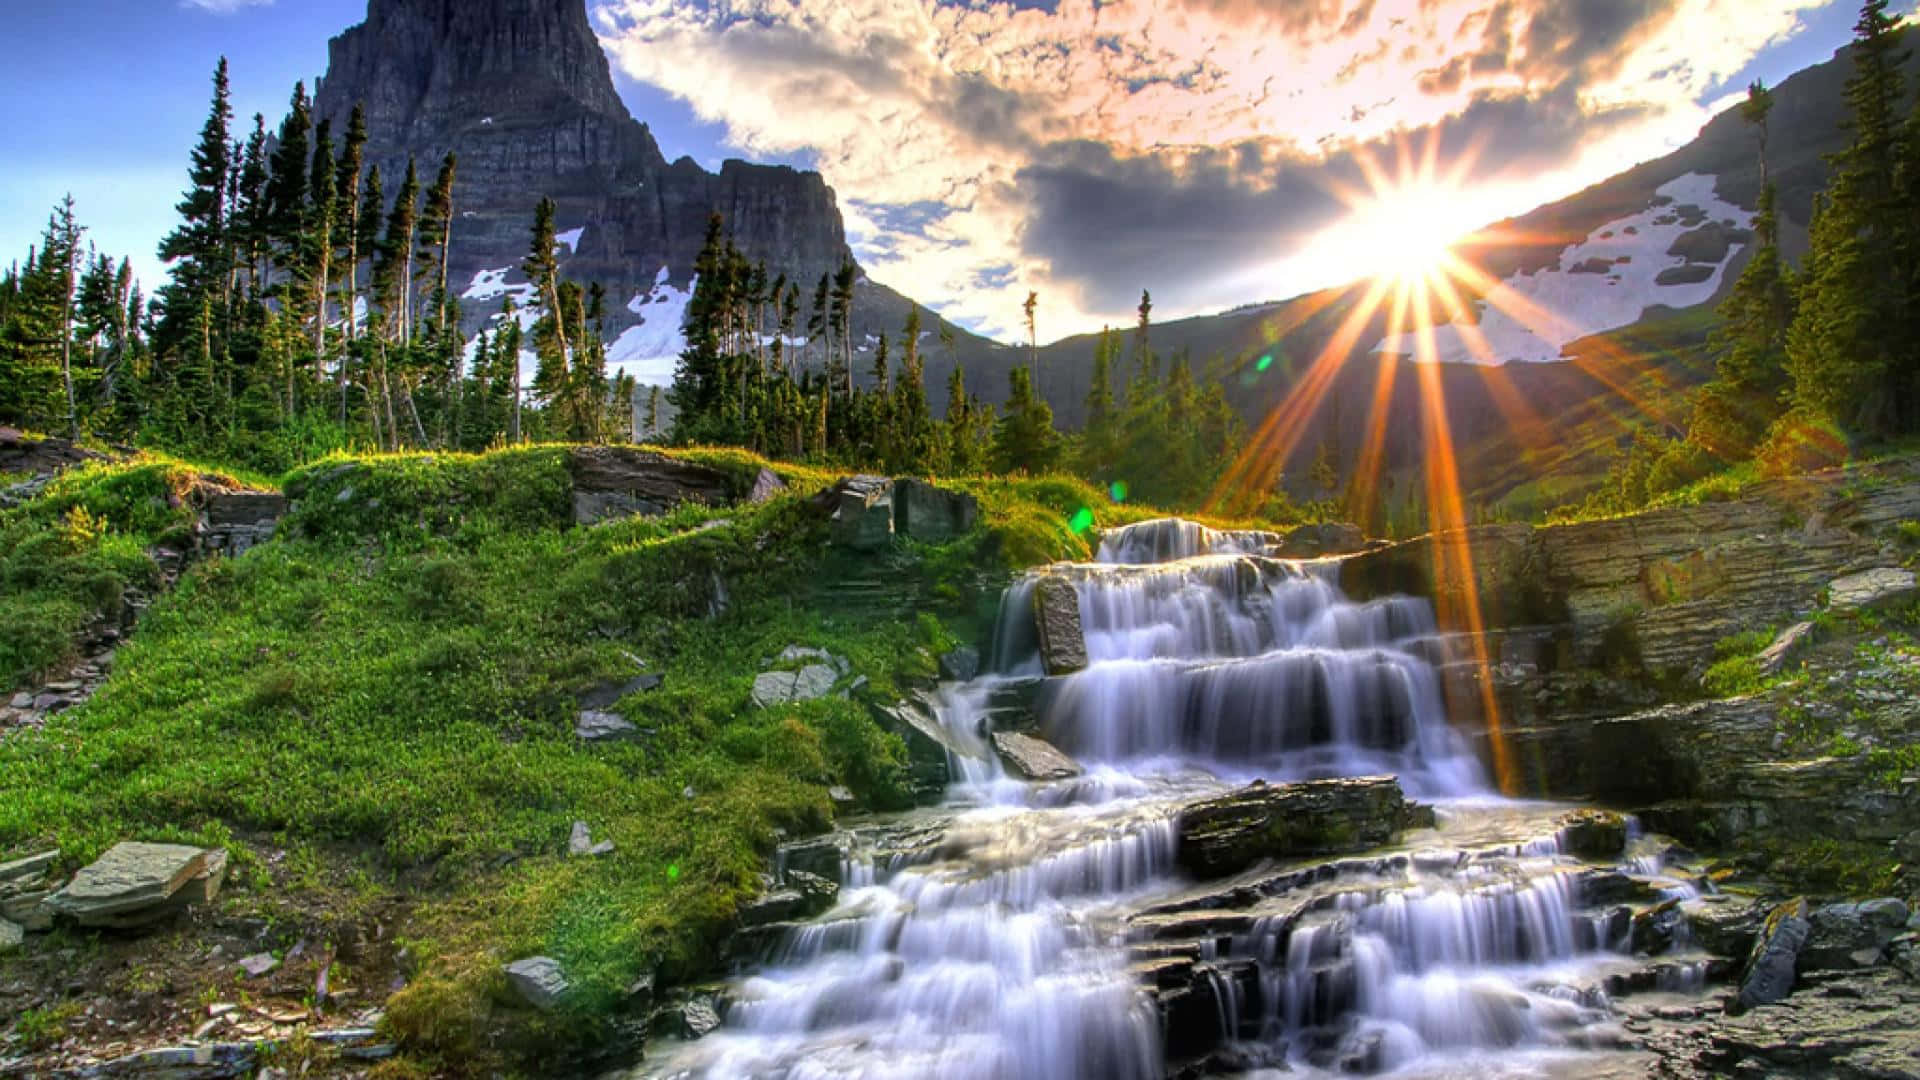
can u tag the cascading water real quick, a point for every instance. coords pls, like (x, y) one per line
(1011, 942)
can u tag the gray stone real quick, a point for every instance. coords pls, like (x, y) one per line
(538, 980)
(1871, 588)
(1769, 973)
(580, 842)
(22, 700)
(699, 1017)
(1031, 758)
(766, 485)
(779, 687)
(259, 964)
(1056, 619)
(1786, 648)
(1846, 936)
(840, 794)
(931, 514)
(860, 512)
(596, 726)
(130, 880)
(12, 935)
(1723, 924)
(29, 909)
(609, 693)
(27, 869)
(618, 481)
(960, 664)
(204, 887)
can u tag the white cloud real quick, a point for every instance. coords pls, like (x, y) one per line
(916, 103)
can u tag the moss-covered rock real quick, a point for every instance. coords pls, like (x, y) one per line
(1229, 833)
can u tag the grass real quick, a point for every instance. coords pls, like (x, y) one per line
(388, 689)
(69, 556)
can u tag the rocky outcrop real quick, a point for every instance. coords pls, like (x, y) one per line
(1882, 586)
(538, 981)
(930, 747)
(620, 481)
(1232, 832)
(1315, 541)
(136, 884)
(1596, 835)
(1056, 619)
(232, 522)
(1649, 595)
(860, 512)
(39, 456)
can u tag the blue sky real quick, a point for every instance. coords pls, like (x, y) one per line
(106, 97)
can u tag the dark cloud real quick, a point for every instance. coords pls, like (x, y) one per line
(1107, 224)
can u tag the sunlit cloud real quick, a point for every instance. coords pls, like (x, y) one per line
(1196, 148)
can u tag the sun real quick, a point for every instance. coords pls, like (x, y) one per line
(1407, 233)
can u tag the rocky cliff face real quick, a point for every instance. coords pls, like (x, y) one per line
(521, 91)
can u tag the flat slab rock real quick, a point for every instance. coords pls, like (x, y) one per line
(1871, 588)
(133, 878)
(1034, 759)
(778, 687)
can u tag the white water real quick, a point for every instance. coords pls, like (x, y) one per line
(1004, 943)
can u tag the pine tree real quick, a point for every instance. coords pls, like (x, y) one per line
(287, 187)
(346, 238)
(196, 248)
(1025, 440)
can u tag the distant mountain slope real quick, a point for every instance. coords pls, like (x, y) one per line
(521, 91)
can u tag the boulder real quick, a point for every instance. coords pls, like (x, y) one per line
(1879, 587)
(1596, 835)
(1032, 758)
(1326, 538)
(538, 981)
(930, 514)
(700, 1016)
(1723, 924)
(1855, 935)
(1769, 972)
(860, 512)
(1228, 833)
(620, 481)
(231, 522)
(12, 935)
(1786, 648)
(27, 869)
(134, 884)
(780, 687)
(1056, 620)
(930, 747)
(961, 664)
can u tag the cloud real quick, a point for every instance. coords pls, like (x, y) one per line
(1087, 148)
(223, 7)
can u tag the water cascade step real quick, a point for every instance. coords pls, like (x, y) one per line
(1052, 928)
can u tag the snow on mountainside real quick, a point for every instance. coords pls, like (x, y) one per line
(648, 351)
(1673, 253)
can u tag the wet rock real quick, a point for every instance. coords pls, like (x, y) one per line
(930, 748)
(1874, 588)
(539, 981)
(133, 884)
(1032, 758)
(1769, 973)
(780, 687)
(1056, 617)
(1845, 936)
(699, 1016)
(1229, 833)
(1326, 538)
(960, 664)
(860, 512)
(818, 856)
(1596, 835)
(1786, 648)
(931, 514)
(1724, 925)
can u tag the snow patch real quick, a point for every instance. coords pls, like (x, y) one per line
(492, 285)
(1562, 306)
(571, 238)
(650, 350)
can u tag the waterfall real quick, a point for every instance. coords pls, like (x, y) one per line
(1008, 945)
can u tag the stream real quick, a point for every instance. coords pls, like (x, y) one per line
(1046, 930)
